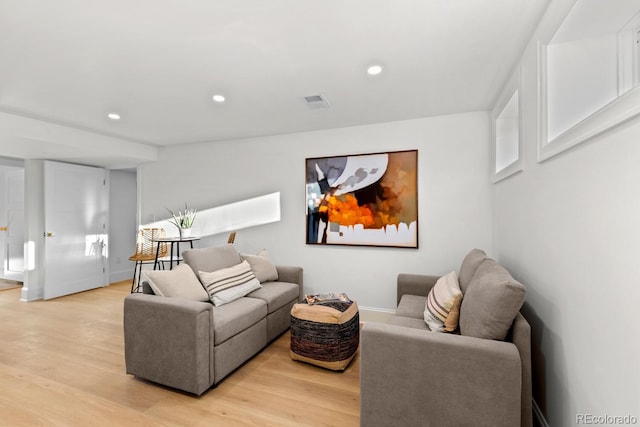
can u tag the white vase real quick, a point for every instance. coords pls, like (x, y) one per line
(185, 232)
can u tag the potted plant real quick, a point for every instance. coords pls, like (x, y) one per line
(183, 220)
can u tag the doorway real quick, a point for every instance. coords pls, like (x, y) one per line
(12, 191)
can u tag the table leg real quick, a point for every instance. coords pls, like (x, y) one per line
(171, 257)
(155, 263)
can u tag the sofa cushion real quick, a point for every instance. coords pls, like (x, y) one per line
(470, 264)
(180, 282)
(212, 258)
(228, 284)
(261, 265)
(440, 300)
(233, 318)
(492, 301)
(409, 322)
(411, 306)
(276, 294)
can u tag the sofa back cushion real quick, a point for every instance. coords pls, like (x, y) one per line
(262, 266)
(491, 302)
(212, 258)
(470, 264)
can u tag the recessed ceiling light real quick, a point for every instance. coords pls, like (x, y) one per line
(374, 70)
(219, 98)
(113, 116)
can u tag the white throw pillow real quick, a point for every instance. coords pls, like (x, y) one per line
(440, 300)
(232, 294)
(221, 284)
(180, 282)
(261, 266)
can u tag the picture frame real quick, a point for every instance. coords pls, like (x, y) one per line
(363, 199)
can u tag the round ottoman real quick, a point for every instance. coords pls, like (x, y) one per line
(325, 334)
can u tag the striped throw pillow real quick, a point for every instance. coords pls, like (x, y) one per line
(440, 301)
(227, 278)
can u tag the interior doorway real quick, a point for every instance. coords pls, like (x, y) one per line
(27, 270)
(12, 191)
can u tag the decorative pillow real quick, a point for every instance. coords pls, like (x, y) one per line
(440, 300)
(491, 302)
(228, 295)
(180, 282)
(451, 323)
(226, 279)
(262, 267)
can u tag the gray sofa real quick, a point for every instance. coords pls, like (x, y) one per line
(479, 376)
(192, 345)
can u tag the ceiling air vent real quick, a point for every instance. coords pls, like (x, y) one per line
(316, 101)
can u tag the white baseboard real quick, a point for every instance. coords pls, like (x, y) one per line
(119, 276)
(27, 294)
(372, 314)
(537, 414)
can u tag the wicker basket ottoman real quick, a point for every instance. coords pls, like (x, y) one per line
(326, 335)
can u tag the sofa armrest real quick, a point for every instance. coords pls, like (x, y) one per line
(413, 377)
(521, 338)
(169, 341)
(415, 284)
(291, 274)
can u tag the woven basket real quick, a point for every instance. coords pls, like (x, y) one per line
(325, 335)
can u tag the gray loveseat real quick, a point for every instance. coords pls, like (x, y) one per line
(192, 345)
(479, 376)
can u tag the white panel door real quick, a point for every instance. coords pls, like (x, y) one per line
(76, 242)
(14, 250)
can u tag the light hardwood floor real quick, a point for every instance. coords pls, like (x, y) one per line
(62, 364)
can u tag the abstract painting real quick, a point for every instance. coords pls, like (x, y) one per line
(364, 199)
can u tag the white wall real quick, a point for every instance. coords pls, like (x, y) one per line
(122, 224)
(454, 197)
(569, 229)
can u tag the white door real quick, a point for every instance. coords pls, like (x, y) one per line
(76, 232)
(14, 242)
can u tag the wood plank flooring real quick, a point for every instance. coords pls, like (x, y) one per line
(9, 284)
(62, 364)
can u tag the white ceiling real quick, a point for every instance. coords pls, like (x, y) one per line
(158, 62)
